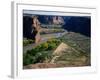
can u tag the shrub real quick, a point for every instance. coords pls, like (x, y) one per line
(27, 41)
(52, 46)
(44, 46)
(40, 53)
(31, 57)
(27, 59)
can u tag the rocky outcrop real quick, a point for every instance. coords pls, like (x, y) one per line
(31, 28)
(60, 49)
(36, 29)
(58, 20)
(51, 19)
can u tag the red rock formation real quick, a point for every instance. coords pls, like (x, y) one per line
(36, 26)
(58, 20)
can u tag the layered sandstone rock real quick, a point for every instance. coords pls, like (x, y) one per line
(58, 20)
(37, 29)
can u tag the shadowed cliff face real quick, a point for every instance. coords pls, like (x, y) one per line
(27, 27)
(79, 24)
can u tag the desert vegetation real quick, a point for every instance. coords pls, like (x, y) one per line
(74, 55)
(41, 52)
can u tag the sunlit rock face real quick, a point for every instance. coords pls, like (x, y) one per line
(60, 49)
(51, 19)
(58, 20)
(36, 29)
